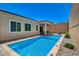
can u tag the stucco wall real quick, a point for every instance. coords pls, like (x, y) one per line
(7, 35)
(73, 22)
(75, 36)
(73, 19)
(50, 28)
(57, 28)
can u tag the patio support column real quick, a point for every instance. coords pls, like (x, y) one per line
(45, 28)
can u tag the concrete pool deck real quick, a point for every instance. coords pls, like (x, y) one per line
(53, 51)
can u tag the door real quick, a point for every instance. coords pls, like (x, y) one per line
(41, 30)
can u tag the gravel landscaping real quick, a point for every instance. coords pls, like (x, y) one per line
(67, 52)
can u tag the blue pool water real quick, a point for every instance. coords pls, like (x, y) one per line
(39, 46)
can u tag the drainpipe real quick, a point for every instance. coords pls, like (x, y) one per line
(45, 28)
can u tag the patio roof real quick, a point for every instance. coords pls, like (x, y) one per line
(46, 22)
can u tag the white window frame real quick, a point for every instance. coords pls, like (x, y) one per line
(24, 27)
(21, 26)
(16, 26)
(38, 27)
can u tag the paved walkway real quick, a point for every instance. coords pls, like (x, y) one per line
(67, 52)
(3, 52)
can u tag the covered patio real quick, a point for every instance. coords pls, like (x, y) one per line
(46, 27)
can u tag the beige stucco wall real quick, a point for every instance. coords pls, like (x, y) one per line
(57, 28)
(7, 35)
(73, 19)
(75, 36)
(50, 28)
(73, 29)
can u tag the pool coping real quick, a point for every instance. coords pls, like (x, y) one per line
(53, 51)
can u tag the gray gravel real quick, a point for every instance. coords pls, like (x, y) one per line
(67, 52)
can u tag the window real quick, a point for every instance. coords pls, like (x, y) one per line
(27, 27)
(36, 27)
(15, 26)
(18, 26)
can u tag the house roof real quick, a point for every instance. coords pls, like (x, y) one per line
(46, 21)
(25, 17)
(17, 15)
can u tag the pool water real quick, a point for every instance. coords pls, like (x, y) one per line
(39, 46)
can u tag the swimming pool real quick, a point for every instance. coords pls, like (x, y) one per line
(39, 46)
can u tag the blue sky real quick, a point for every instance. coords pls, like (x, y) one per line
(54, 12)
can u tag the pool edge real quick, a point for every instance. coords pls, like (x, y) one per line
(55, 49)
(9, 50)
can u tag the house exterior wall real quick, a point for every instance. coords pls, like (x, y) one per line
(57, 28)
(5, 31)
(48, 27)
(74, 24)
(6, 35)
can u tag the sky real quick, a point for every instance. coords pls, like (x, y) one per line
(53, 12)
